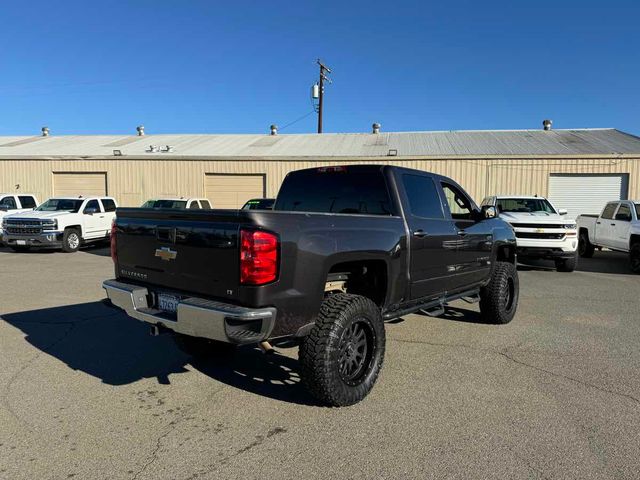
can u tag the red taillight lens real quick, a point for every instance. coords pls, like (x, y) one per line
(114, 253)
(258, 257)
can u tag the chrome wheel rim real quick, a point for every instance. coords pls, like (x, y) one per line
(73, 241)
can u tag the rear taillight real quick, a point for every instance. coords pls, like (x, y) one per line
(114, 253)
(258, 257)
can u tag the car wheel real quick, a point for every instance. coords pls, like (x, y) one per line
(343, 354)
(71, 240)
(634, 257)
(499, 298)
(567, 264)
(585, 247)
(202, 348)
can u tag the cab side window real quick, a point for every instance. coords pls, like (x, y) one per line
(194, 205)
(609, 210)
(624, 213)
(92, 204)
(27, 201)
(205, 204)
(109, 205)
(9, 203)
(459, 205)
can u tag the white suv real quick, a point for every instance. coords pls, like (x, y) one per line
(542, 231)
(61, 222)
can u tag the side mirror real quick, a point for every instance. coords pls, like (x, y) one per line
(489, 211)
(90, 211)
(562, 211)
(4, 208)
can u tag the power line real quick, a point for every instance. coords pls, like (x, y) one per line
(298, 119)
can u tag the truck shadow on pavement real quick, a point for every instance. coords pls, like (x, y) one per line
(103, 342)
(602, 262)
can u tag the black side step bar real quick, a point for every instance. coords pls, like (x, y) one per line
(432, 307)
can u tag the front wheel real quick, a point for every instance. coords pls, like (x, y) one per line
(634, 257)
(343, 354)
(567, 264)
(585, 247)
(71, 240)
(499, 298)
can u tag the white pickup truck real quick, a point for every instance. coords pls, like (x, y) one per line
(616, 228)
(61, 222)
(542, 231)
(11, 203)
(178, 203)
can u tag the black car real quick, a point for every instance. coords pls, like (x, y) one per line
(343, 250)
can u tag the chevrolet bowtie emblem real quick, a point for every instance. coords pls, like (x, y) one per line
(165, 253)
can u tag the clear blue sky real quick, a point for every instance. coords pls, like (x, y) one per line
(90, 67)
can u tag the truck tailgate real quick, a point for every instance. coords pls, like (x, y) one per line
(191, 251)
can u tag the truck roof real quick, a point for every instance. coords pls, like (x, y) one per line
(508, 197)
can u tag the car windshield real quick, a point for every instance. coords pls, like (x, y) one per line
(178, 204)
(61, 204)
(259, 204)
(524, 205)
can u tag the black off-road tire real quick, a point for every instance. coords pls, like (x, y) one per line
(19, 248)
(203, 348)
(335, 368)
(71, 240)
(567, 264)
(634, 257)
(585, 247)
(499, 298)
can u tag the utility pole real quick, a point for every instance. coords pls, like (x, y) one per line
(323, 76)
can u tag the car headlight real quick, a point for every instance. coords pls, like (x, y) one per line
(570, 226)
(50, 224)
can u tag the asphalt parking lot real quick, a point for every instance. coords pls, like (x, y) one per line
(86, 393)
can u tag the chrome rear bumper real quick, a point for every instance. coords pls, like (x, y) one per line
(197, 317)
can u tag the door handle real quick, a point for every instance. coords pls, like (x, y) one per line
(420, 233)
(613, 224)
(598, 223)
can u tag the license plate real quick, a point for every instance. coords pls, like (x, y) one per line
(168, 303)
(21, 242)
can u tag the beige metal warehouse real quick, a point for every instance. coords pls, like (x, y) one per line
(579, 169)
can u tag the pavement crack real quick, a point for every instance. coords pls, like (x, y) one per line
(567, 377)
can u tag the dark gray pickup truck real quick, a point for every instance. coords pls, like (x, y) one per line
(343, 250)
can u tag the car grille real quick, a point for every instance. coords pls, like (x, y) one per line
(23, 227)
(537, 225)
(546, 236)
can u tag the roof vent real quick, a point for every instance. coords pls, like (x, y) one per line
(140, 129)
(168, 149)
(153, 149)
(376, 128)
(274, 129)
(45, 131)
(546, 124)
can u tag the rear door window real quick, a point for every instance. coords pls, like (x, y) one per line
(609, 210)
(423, 197)
(194, 205)
(205, 204)
(27, 201)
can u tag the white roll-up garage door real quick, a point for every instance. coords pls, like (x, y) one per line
(232, 191)
(586, 193)
(73, 184)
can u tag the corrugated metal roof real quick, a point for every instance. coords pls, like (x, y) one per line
(408, 144)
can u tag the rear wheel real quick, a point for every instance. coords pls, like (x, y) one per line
(202, 348)
(343, 354)
(634, 257)
(499, 298)
(71, 240)
(567, 264)
(585, 247)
